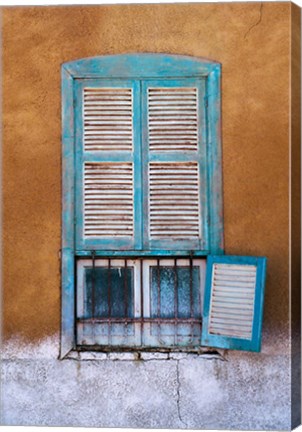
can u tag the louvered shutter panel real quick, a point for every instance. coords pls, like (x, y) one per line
(106, 173)
(107, 116)
(175, 152)
(173, 118)
(233, 303)
(108, 199)
(174, 200)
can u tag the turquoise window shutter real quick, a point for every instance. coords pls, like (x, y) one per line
(174, 156)
(233, 302)
(142, 172)
(108, 174)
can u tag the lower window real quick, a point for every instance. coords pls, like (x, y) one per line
(147, 303)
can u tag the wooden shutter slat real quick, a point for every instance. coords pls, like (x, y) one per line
(102, 217)
(170, 215)
(103, 131)
(173, 119)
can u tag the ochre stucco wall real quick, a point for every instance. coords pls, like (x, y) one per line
(252, 43)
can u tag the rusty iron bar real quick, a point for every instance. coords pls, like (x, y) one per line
(137, 320)
(125, 289)
(125, 297)
(93, 281)
(191, 296)
(158, 299)
(109, 300)
(142, 312)
(175, 301)
(93, 285)
(128, 320)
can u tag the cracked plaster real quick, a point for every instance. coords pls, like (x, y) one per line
(187, 391)
(258, 21)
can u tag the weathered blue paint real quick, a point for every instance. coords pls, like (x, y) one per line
(215, 204)
(199, 156)
(105, 156)
(143, 253)
(94, 243)
(67, 302)
(145, 158)
(67, 252)
(79, 164)
(67, 105)
(137, 161)
(125, 70)
(218, 341)
(141, 65)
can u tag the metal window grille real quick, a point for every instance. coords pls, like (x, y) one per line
(139, 303)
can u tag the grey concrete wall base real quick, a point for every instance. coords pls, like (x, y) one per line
(246, 391)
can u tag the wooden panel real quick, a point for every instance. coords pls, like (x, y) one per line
(174, 200)
(108, 118)
(108, 199)
(173, 118)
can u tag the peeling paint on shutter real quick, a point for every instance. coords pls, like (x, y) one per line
(174, 205)
(108, 119)
(108, 199)
(232, 300)
(173, 118)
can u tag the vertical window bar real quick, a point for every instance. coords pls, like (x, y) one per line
(158, 300)
(109, 300)
(125, 289)
(93, 279)
(175, 302)
(142, 300)
(125, 299)
(191, 297)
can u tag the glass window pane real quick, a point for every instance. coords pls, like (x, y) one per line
(169, 280)
(114, 283)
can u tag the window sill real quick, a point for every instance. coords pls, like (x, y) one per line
(140, 355)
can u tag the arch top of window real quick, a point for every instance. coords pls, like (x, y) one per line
(141, 65)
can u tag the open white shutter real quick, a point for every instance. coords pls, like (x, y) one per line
(232, 300)
(233, 305)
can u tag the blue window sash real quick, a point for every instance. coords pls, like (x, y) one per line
(198, 156)
(82, 156)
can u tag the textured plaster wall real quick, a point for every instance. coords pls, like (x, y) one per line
(252, 43)
(236, 391)
(246, 391)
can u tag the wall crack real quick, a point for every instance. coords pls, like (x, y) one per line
(178, 394)
(256, 23)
